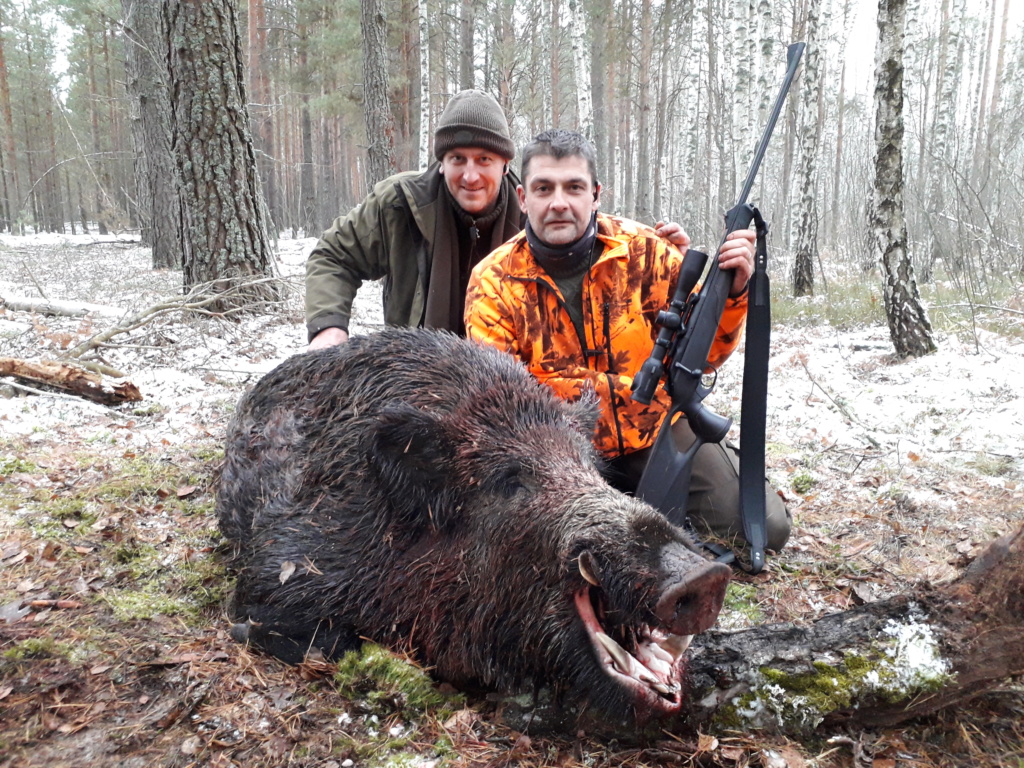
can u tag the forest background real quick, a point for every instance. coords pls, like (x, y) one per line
(674, 94)
(899, 471)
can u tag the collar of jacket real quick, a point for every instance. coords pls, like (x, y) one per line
(422, 191)
(525, 267)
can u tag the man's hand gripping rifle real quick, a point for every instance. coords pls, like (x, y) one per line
(688, 329)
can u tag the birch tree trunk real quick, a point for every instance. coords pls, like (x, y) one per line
(554, 48)
(806, 236)
(581, 60)
(766, 70)
(424, 142)
(380, 123)
(745, 32)
(989, 152)
(224, 219)
(909, 327)
(945, 111)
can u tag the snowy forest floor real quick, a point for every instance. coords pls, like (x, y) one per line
(113, 637)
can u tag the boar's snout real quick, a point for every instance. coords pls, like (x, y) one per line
(692, 596)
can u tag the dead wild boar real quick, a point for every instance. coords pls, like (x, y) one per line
(426, 492)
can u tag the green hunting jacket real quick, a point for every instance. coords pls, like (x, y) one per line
(389, 235)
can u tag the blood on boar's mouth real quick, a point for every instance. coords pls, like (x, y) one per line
(651, 670)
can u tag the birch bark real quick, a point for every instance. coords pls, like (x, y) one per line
(909, 328)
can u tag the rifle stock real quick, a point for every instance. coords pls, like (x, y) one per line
(681, 349)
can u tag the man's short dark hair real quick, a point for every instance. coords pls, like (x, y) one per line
(559, 143)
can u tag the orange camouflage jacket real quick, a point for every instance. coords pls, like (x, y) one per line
(512, 304)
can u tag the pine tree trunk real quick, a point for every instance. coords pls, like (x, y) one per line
(909, 327)
(467, 22)
(307, 186)
(11, 157)
(380, 124)
(261, 112)
(642, 210)
(94, 123)
(224, 219)
(159, 205)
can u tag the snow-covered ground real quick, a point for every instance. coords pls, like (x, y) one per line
(831, 393)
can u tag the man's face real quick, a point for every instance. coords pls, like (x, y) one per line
(473, 177)
(559, 197)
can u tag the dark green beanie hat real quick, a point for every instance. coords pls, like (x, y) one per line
(473, 119)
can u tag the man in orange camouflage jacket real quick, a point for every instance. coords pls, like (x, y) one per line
(575, 297)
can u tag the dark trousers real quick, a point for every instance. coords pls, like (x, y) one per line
(714, 502)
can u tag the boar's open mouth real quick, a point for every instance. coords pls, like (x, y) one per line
(651, 670)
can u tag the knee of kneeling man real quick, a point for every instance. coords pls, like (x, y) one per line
(779, 522)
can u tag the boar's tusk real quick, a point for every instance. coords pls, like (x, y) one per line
(586, 563)
(666, 690)
(676, 645)
(625, 662)
(618, 653)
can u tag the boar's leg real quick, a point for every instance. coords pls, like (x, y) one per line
(291, 645)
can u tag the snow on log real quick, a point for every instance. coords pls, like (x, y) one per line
(876, 665)
(70, 378)
(55, 307)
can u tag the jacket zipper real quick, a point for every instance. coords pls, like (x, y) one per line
(607, 316)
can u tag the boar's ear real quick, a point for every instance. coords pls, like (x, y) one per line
(585, 412)
(411, 450)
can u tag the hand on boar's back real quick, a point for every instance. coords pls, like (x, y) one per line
(433, 495)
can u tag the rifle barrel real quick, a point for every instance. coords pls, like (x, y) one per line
(793, 54)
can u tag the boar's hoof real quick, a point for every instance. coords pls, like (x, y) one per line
(652, 670)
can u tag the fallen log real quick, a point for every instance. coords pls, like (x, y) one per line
(874, 666)
(56, 307)
(72, 379)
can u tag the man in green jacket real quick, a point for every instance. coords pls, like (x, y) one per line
(422, 232)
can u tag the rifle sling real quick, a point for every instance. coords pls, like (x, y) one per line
(754, 407)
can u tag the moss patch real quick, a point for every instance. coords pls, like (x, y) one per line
(741, 608)
(386, 683)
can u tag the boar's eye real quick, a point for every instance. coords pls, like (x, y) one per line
(509, 480)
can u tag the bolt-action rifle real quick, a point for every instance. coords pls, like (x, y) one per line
(680, 356)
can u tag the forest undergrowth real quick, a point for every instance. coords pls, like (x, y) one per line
(114, 645)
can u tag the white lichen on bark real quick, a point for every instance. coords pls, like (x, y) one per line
(905, 662)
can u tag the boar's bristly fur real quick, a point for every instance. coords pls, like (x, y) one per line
(426, 492)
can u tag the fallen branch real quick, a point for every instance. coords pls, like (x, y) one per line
(54, 307)
(980, 306)
(70, 378)
(198, 300)
(877, 665)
